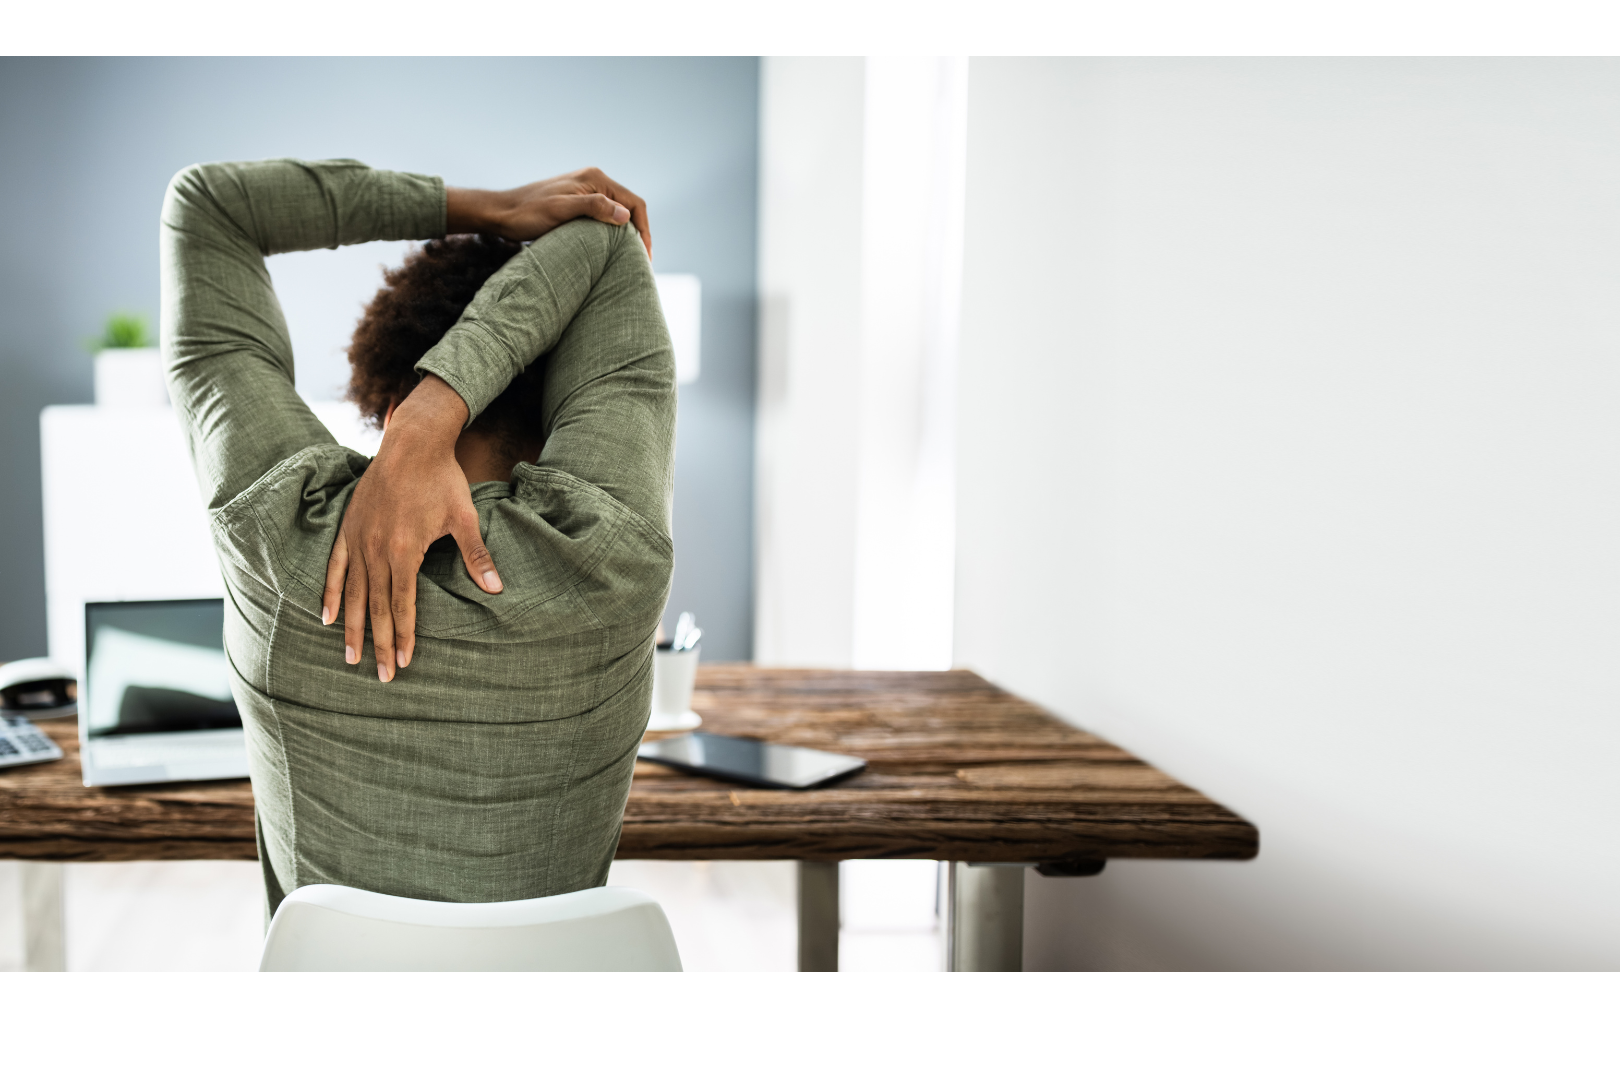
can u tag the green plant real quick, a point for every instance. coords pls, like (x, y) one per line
(125, 330)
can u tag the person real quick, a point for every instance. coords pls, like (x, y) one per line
(509, 546)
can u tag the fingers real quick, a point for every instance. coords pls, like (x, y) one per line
(638, 215)
(638, 212)
(623, 196)
(384, 595)
(354, 612)
(336, 568)
(368, 595)
(379, 605)
(597, 206)
(473, 552)
(404, 608)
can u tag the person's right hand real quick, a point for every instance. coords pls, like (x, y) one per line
(413, 493)
(531, 211)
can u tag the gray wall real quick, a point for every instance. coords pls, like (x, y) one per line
(87, 146)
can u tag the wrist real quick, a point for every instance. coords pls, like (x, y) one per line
(432, 415)
(471, 210)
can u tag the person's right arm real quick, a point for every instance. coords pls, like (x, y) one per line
(226, 348)
(225, 344)
(414, 492)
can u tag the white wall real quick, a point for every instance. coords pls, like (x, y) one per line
(861, 171)
(914, 161)
(809, 350)
(1288, 460)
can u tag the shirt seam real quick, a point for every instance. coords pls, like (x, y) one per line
(573, 754)
(652, 531)
(281, 740)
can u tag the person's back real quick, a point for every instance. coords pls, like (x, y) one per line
(495, 765)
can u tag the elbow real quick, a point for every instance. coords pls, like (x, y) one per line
(186, 189)
(188, 179)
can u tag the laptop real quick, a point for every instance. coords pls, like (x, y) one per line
(155, 702)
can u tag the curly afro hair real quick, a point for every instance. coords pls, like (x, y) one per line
(418, 303)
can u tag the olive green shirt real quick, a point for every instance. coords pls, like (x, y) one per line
(496, 766)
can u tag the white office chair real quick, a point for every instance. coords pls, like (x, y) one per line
(336, 928)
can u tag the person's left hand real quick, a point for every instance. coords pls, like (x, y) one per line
(531, 211)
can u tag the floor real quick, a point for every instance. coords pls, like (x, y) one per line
(727, 916)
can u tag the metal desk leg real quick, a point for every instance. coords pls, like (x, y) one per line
(818, 916)
(44, 944)
(984, 920)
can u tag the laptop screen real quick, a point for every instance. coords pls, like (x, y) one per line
(156, 665)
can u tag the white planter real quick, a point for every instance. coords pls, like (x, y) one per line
(130, 379)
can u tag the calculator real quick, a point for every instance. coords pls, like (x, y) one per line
(21, 743)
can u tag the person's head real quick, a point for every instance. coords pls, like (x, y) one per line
(418, 303)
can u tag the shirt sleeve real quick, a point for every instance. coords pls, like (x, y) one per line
(584, 296)
(225, 345)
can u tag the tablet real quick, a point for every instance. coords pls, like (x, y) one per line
(751, 761)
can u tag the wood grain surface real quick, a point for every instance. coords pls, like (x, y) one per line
(46, 812)
(958, 769)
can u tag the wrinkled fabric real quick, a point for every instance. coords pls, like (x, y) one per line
(496, 766)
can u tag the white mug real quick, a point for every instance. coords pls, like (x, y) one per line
(674, 675)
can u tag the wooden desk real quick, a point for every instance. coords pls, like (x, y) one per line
(959, 771)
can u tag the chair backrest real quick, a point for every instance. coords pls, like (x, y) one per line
(336, 928)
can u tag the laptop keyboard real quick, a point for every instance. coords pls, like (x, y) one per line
(137, 752)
